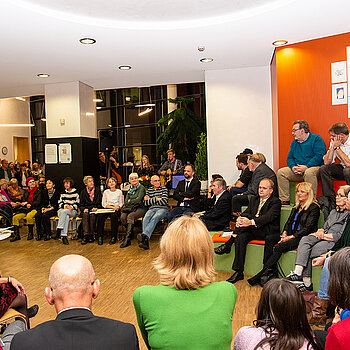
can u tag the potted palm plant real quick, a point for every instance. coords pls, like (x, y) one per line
(201, 162)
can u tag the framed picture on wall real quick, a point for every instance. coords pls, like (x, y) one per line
(339, 94)
(338, 72)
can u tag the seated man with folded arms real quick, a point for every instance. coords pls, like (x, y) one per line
(187, 194)
(339, 148)
(241, 185)
(219, 214)
(156, 200)
(304, 158)
(261, 220)
(73, 287)
(260, 171)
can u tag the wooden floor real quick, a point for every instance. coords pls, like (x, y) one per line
(120, 271)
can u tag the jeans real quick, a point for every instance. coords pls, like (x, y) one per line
(323, 288)
(151, 219)
(63, 220)
(236, 190)
(178, 211)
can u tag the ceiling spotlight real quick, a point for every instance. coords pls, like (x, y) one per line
(145, 112)
(124, 67)
(20, 98)
(97, 100)
(280, 42)
(201, 48)
(206, 60)
(43, 75)
(87, 41)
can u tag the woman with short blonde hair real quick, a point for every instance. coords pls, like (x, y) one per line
(188, 310)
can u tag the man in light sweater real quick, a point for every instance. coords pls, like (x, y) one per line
(304, 158)
(156, 199)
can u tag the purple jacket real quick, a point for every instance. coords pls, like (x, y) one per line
(3, 193)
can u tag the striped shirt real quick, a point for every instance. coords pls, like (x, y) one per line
(154, 193)
(69, 198)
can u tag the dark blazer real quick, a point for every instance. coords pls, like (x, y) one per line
(307, 220)
(35, 204)
(18, 176)
(193, 192)
(86, 203)
(46, 202)
(219, 215)
(78, 329)
(268, 221)
(263, 171)
(2, 173)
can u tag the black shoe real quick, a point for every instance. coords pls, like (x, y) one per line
(32, 311)
(143, 241)
(16, 236)
(84, 240)
(267, 276)
(65, 240)
(30, 232)
(113, 240)
(91, 239)
(100, 240)
(126, 243)
(38, 237)
(255, 279)
(222, 249)
(237, 276)
(129, 235)
(57, 235)
(47, 238)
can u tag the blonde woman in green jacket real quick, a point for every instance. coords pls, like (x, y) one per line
(133, 207)
(187, 310)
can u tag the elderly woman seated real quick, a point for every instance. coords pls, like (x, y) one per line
(188, 310)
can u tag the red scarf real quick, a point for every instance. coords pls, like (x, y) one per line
(91, 193)
(31, 193)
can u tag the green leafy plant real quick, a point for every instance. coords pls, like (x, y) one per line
(201, 162)
(183, 127)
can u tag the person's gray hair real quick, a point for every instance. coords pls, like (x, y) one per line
(86, 178)
(221, 182)
(303, 124)
(133, 175)
(271, 183)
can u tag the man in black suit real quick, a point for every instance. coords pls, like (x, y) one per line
(261, 220)
(218, 217)
(187, 194)
(72, 288)
(260, 171)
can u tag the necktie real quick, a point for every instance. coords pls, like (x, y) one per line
(186, 189)
(259, 207)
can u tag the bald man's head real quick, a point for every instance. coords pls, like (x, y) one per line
(72, 273)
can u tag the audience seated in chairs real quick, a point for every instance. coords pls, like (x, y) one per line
(112, 199)
(90, 201)
(68, 208)
(6, 204)
(320, 242)
(48, 208)
(281, 321)
(15, 192)
(156, 201)
(73, 287)
(219, 214)
(187, 194)
(133, 207)
(261, 220)
(22, 175)
(188, 310)
(241, 185)
(27, 209)
(336, 334)
(260, 171)
(302, 221)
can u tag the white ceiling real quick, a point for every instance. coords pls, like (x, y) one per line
(158, 38)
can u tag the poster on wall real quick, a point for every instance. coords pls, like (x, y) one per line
(65, 152)
(51, 153)
(339, 94)
(339, 72)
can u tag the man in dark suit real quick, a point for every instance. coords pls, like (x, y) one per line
(72, 288)
(218, 217)
(261, 220)
(187, 194)
(260, 171)
(5, 171)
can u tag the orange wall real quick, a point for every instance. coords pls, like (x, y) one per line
(303, 87)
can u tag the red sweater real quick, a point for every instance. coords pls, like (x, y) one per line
(339, 336)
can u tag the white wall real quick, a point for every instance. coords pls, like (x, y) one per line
(238, 116)
(13, 111)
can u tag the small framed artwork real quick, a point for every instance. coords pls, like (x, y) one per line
(339, 94)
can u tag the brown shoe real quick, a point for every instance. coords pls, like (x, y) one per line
(285, 203)
(318, 316)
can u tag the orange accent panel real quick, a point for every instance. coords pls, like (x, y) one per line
(304, 88)
(217, 238)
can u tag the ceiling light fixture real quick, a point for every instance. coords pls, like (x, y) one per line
(43, 119)
(43, 75)
(97, 100)
(87, 41)
(90, 114)
(280, 42)
(145, 111)
(145, 105)
(20, 98)
(16, 125)
(206, 59)
(98, 107)
(124, 67)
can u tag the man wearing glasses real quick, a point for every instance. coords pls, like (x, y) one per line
(304, 159)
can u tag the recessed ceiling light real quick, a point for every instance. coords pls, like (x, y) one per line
(124, 67)
(20, 98)
(97, 100)
(280, 42)
(43, 75)
(87, 41)
(206, 59)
